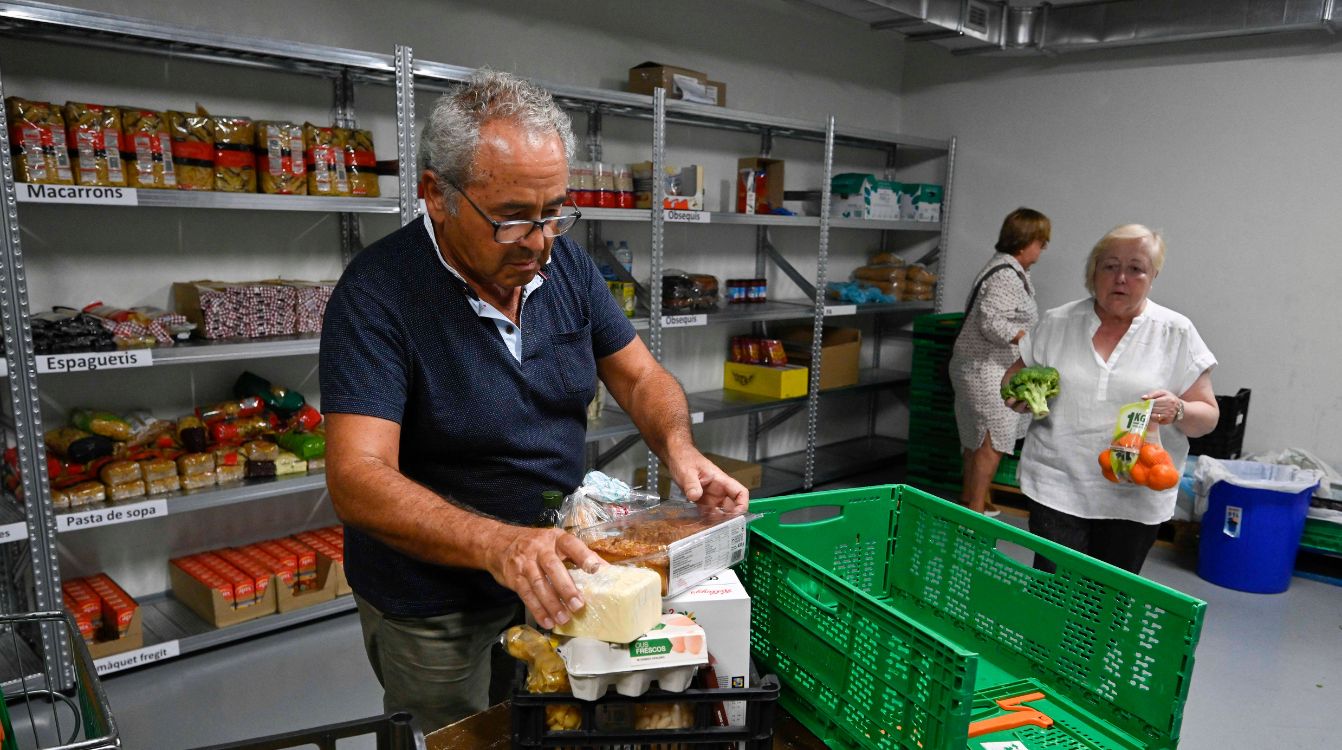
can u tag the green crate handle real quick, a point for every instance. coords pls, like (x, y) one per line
(801, 589)
(839, 499)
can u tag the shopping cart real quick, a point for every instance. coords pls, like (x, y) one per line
(45, 707)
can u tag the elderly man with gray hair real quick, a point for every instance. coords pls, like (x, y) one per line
(458, 356)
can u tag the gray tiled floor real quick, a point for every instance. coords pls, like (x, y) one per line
(1268, 675)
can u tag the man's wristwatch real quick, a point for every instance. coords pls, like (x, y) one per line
(1178, 410)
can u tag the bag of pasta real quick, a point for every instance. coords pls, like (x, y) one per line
(93, 137)
(234, 161)
(192, 149)
(145, 134)
(362, 163)
(37, 137)
(325, 158)
(279, 158)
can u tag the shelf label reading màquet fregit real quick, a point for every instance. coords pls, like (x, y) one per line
(110, 515)
(136, 658)
(94, 361)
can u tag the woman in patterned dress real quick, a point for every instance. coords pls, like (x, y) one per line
(1001, 308)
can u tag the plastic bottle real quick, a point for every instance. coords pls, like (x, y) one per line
(607, 272)
(551, 502)
(625, 256)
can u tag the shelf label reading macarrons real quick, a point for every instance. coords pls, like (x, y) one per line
(112, 514)
(136, 658)
(687, 217)
(91, 361)
(840, 310)
(684, 321)
(13, 532)
(102, 196)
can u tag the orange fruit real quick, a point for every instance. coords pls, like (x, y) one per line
(1130, 440)
(1162, 476)
(1110, 475)
(1138, 473)
(1153, 454)
(1106, 462)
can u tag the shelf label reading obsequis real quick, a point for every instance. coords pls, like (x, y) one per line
(104, 196)
(687, 217)
(113, 514)
(136, 658)
(93, 361)
(13, 532)
(684, 321)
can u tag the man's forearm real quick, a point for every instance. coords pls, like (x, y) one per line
(380, 500)
(659, 411)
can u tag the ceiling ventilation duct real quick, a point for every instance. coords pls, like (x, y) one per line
(994, 26)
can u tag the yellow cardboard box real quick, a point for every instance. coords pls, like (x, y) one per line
(788, 381)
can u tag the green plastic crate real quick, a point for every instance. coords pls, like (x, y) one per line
(939, 324)
(1322, 535)
(1008, 471)
(897, 622)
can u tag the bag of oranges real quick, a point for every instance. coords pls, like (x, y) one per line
(1135, 456)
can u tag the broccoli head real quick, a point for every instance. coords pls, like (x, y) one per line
(1034, 386)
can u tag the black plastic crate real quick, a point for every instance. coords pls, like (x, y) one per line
(390, 731)
(529, 729)
(1227, 440)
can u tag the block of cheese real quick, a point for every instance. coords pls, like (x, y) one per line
(622, 602)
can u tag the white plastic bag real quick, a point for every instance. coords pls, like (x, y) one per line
(1251, 474)
(1331, 486)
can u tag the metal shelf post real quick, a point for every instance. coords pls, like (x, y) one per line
(818, 324)
(658, 243)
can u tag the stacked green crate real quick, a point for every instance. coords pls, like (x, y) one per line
(934, 457)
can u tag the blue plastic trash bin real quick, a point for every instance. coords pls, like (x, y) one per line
(1252, 524)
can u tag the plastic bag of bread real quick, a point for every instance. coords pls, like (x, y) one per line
(886, 259)
(93, 137)
(324, 156)
(234, 162)
(37, 138)
(887, 272)
(148, 149)
(361, 162)
(918, 274)
(192, 149)
(279, 149)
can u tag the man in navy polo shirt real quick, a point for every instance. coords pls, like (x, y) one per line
(458, 357)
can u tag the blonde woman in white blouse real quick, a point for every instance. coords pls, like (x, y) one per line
(1001, 308)
(1112, 348)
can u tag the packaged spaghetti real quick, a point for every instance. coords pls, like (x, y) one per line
(93, 137)
(197, 481)
(158, 468)
(193, 464)
(37, 139)
(125, 490)
(120, 472)
(148, 149)
(77, 445)
(260, 450)
(234, 162)
(324, 156)
(192, 149)
(103, 423)
(229, 473)
(279, 158)
(162, 485)
(86, 493)
(361, 162)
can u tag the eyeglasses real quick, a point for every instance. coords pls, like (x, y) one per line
(512, 232)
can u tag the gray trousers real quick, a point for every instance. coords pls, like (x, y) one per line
(440, 669)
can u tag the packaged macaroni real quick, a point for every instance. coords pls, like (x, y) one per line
(37, 138)
(149, 149)
(361, 163)
(325, 160)
(234, 162)
(279, 149)
(192, 149)
(93, 137)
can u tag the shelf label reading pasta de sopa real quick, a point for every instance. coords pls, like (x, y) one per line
(684, 321)
(687, 217)
(13, 532)
(94, 361)
(137, 658)
(840, 310)
(101, 196)
(112, 514)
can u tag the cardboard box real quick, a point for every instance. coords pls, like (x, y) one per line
(788, 381)
(749, 474)
(841, 350)
(133, 639)
(684, 186)
(289, 599)
(210, 604)
(855, 195)
(773, 178)
(680, 83)
(721, 606)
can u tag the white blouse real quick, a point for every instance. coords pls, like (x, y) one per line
(1059, 465)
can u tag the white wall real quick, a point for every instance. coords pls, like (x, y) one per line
(1228, 147)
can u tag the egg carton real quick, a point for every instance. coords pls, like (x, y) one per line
(632, 684)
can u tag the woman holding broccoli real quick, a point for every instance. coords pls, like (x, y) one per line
(1000, 310)
(1110, 349)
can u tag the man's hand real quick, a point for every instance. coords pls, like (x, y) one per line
(706, 484)
(531, 562)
